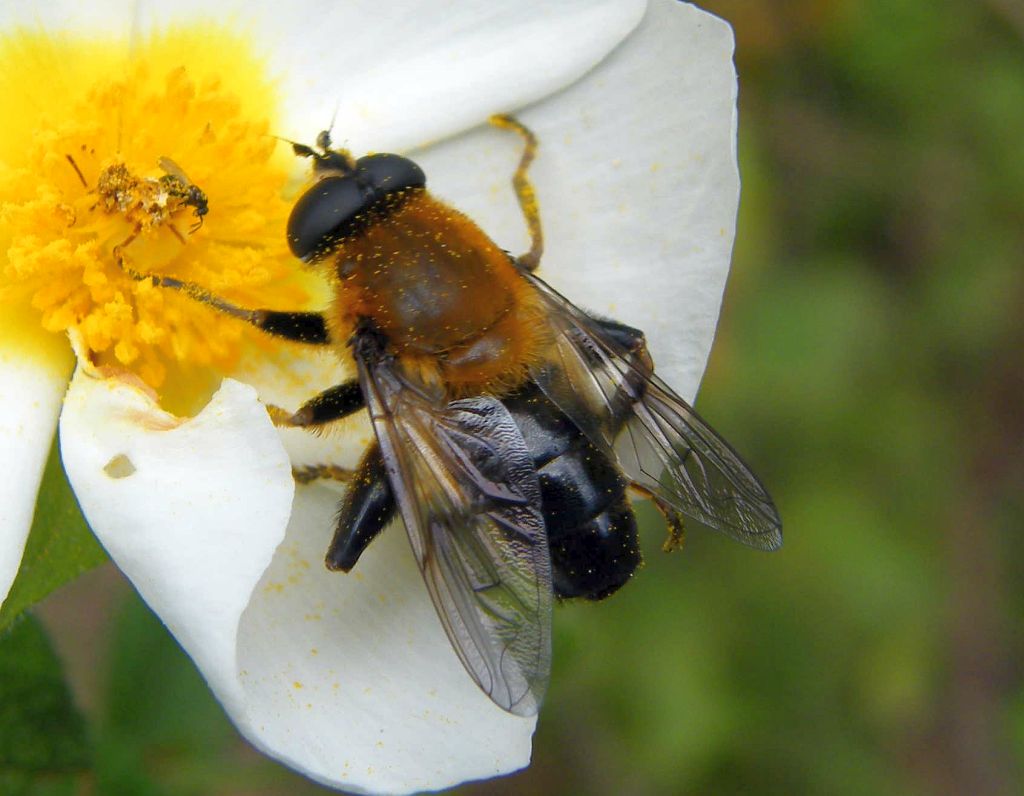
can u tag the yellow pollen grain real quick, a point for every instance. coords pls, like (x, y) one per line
(102, 162)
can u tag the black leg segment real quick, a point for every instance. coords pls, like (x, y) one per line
(339, 401)
(367, 508)
(626, 336)
(302, 327)
(633, 347)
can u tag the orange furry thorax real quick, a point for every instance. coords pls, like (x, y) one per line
(451, 303)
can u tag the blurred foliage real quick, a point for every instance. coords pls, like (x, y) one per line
(60, 546)
(43, 742)
(869, 366)
(160, 732)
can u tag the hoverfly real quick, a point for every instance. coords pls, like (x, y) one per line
(509, 423)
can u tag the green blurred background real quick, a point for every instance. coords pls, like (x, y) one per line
(869, 365)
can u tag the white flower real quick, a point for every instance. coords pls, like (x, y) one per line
(347, 678)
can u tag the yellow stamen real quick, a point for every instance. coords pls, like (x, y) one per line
(109, 161)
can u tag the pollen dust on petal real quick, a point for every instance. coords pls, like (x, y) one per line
(99, 154)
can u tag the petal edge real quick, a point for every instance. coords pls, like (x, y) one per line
(191, 511)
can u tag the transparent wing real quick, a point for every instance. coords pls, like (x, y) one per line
(174, 170)
(605, 383)
(469, 497)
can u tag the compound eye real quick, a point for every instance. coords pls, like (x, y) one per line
(323, 215)
(385, 174)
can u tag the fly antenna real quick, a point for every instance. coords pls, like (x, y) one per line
(323, 140)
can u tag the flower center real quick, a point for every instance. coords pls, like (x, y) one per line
(118, 165)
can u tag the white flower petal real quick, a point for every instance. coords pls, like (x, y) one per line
(104, 16)
(191, 512)
(31, 389)
(351, 679)
(637, 181)
(399, 73)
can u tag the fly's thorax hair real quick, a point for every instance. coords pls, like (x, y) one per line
(498, 362)
(450, 302)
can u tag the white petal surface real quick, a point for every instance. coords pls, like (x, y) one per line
(104, 16)
(190, 511)
(637, 182)
(31, 389)
(398, 72)
(351, 679)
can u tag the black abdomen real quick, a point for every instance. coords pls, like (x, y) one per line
(591, 529)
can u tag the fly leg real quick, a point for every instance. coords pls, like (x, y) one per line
(627, 393)
(634, 379)
(119, 254)
(332, 404)
(525, 194)
(309, 473)
(299, 327)
(368, 507)
(369, 504)
(674, 522)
